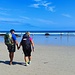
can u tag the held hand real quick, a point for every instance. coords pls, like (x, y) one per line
(18, 48)
(33, 48)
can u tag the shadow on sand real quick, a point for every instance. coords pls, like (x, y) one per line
(13, 63)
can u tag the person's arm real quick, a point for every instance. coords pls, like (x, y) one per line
(19, 45)
(14, 38)
(16, 43)
(32, 43)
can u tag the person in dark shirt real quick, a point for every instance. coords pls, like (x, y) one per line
(27, 49)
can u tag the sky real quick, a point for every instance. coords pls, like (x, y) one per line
(38, 15)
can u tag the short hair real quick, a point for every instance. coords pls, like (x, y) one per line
(12, 30)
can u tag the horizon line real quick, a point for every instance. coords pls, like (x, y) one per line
(41, 31)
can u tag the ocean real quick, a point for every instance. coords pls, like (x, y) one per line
(54, 38)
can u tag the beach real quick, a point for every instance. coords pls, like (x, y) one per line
(46, 60)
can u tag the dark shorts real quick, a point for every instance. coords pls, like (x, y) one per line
(11, 48)
(27, 52)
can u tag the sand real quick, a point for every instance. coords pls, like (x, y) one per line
(46, 60)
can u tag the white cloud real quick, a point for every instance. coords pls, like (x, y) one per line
(4, 11)
(6, 19)
(11, 21)
(34, 5)
(45, 21)
(67, 15)
(51, 8)
(45, 4)
(24, 17)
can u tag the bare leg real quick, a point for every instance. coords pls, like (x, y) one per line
(26, 58)
(11, 56)
(29, 58)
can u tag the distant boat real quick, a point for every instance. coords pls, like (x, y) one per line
(47, 34)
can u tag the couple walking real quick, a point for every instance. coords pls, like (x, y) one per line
(26, 43)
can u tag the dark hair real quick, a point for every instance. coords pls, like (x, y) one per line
(12, 30)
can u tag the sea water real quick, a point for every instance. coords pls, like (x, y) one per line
(54, 40)
(60, 40)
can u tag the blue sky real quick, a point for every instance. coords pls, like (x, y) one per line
(37, 15)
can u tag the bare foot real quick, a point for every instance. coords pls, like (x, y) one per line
(10, 63)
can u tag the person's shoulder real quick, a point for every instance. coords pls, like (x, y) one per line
(13, 36)
(30, 38)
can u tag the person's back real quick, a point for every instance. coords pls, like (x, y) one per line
(26, 44)
(8, 39)
(12, 46)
